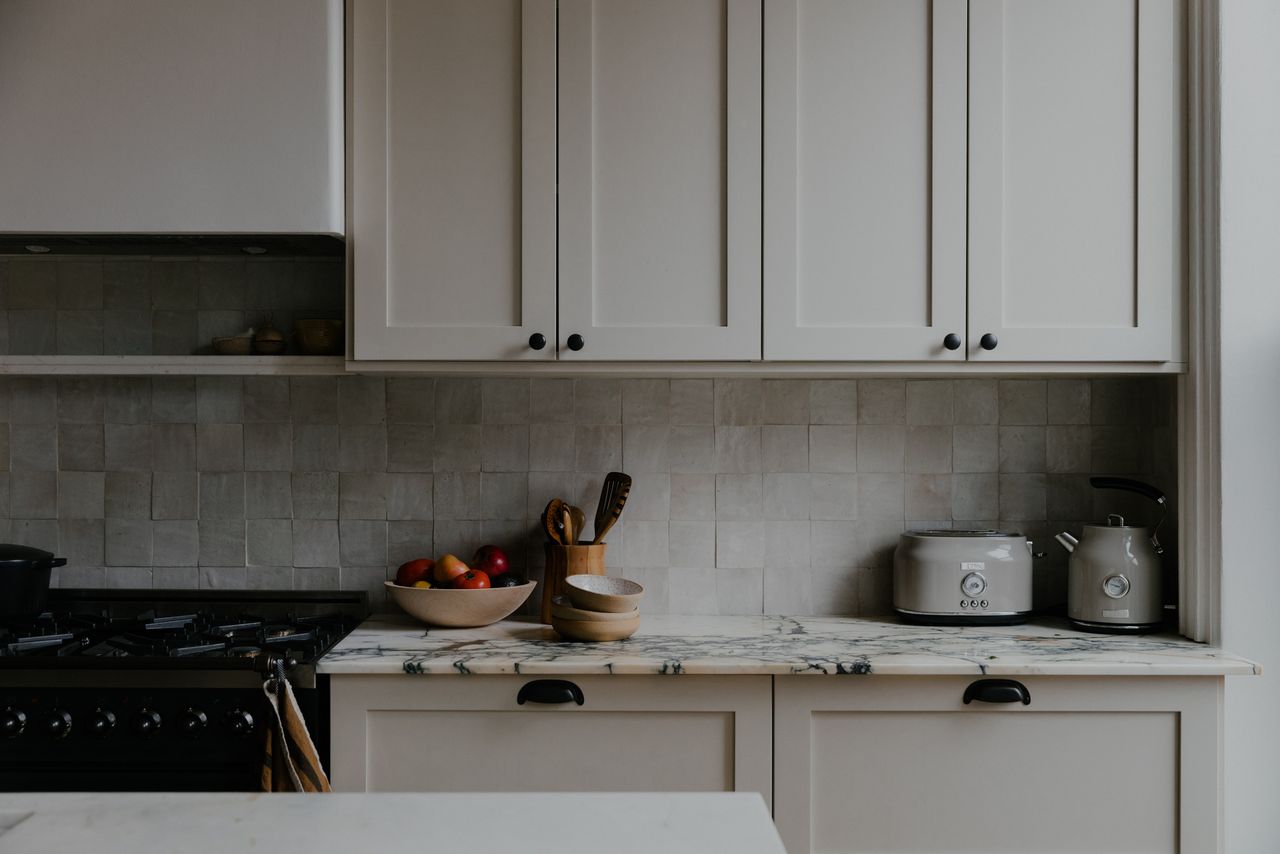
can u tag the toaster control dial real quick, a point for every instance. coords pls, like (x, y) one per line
(1115, 586)
(973, 584)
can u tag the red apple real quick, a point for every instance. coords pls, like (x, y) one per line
(491, 560)
(472, 579)
(414, 571)
(448, 568)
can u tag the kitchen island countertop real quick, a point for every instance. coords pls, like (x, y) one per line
(675, 645)
(215, 823)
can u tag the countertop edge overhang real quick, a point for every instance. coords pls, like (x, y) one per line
(773, 646)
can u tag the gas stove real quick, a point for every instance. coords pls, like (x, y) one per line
(127, 690)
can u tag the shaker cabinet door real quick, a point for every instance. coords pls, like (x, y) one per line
(453, 143)
(1075, 176)
(864, 169)
(659, 153)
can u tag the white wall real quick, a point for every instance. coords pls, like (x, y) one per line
(1251, 415)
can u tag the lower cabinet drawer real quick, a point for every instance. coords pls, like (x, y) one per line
(903, 764)
(630, 733)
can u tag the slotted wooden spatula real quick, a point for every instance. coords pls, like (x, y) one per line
(613, 497)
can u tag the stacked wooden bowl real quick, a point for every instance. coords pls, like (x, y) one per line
(597, 608)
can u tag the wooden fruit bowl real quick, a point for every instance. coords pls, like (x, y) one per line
(460, 609)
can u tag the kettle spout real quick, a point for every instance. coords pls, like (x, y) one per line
(1067, 541)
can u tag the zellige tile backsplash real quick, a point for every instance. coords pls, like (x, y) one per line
(778, 496)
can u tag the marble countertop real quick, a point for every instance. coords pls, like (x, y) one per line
(775, 646)
(217, 823)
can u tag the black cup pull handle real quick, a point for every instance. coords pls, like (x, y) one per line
(550, 691)
(997, 691)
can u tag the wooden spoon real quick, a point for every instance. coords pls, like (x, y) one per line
(579, 523)
(613, 497)
(570, 538)
(552, 519)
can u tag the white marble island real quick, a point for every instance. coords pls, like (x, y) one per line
(485, 823)
(775, 646)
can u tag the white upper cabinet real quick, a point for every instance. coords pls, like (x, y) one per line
(1075, 171)
(171, 116)
(659, 154)
(864, 179)
(453, 178)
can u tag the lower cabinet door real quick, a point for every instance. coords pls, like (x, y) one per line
(1091, 764)
(631, 733)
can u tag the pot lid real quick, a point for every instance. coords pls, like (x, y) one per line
(949, 533)
(12, 554)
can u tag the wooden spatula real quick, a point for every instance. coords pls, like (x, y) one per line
(613, 497)
(579, 520)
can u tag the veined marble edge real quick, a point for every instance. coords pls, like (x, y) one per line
(774, 646)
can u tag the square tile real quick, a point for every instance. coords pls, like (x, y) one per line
(504, 400)
(646, 402)
(833, 402)
(975, 496)
(315, 495)
(597, 448)
(786, 496)
(34, 495)
(127, 333)
(32, 447)
(1022, 497)
(81, 495)
(362, 543)
(739, 402)
(411, 400)
(219, 400)
(880, 496)
(315, 543)
(174, 333)
(1022, 449)
(1067, 449)
(551, 401)
(128, 495)
(125, 284)
(127, 447)
(882, 402)
(362, 400)
(930, 402)
(833, 448)
(79, 333)
(175, 543)
(269, 542)
(646, 544)
(504, 448)
(1023, 402)
(691, 449)
(788, 588)
(408, 540)
(175, 495)
(127, 400)
(266, 399)
(410, 447)
(975, 448)
(128, 542)
(928, 449)
(80, 447)
(362, 447)
(80, 398)
(173, 447)
(786, 401)
(33, 400)
(928, 496)
(457, 496)
(33, 283)
(268, 494)
(268, 446)
(881, 448)
(409, 496)
(33, 333)
(739, 591)
(692, 544)
(362, 495)
(82, 541)
(597, 401)
(832, 545)
(313, 399)
(976, 402)
(315, 447)
(739, 497)
(693, 497)
(1068, 497)
(645, 448)
(692, 402)
(551, 447)
(739, 545)
(503, 495)
(173, 399)
(458, 400)
(784, 448)
(222, 496)
(1068, 401)
(738, 449)
(458, 447)
(220, 447)
(833, 497)
(222, 542)
(692, 590)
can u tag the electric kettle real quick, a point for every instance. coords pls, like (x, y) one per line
(1113, 576)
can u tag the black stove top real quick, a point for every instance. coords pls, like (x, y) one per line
(191, 630)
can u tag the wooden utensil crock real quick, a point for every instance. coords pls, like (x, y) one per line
(563, 561)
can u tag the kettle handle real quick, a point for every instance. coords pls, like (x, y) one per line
(1146, 489)
(1128, 485)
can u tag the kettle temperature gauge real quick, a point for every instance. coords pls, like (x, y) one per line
(1115, 586)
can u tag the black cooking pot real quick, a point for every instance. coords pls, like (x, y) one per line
(24, 579)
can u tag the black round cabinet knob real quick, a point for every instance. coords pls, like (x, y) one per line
(240, 722)
(12, 722)
(952, 341)
(147, 722)
(192, 722)
(988, 341)
(102, 722)
(576, 342)
(537, 341)
(58, 724)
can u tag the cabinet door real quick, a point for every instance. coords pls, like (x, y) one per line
(1075, 179)
(864, 179)
(660, 178)
(900, 763)
(453, 178)
(631, 734)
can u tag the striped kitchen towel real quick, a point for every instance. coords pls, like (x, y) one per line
(290, 762)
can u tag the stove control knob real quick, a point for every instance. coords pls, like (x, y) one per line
(12, 722)
(103, 722)
(240, 722)
(58, 724)
(146, 722)
(193, 722)
(973, 584)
